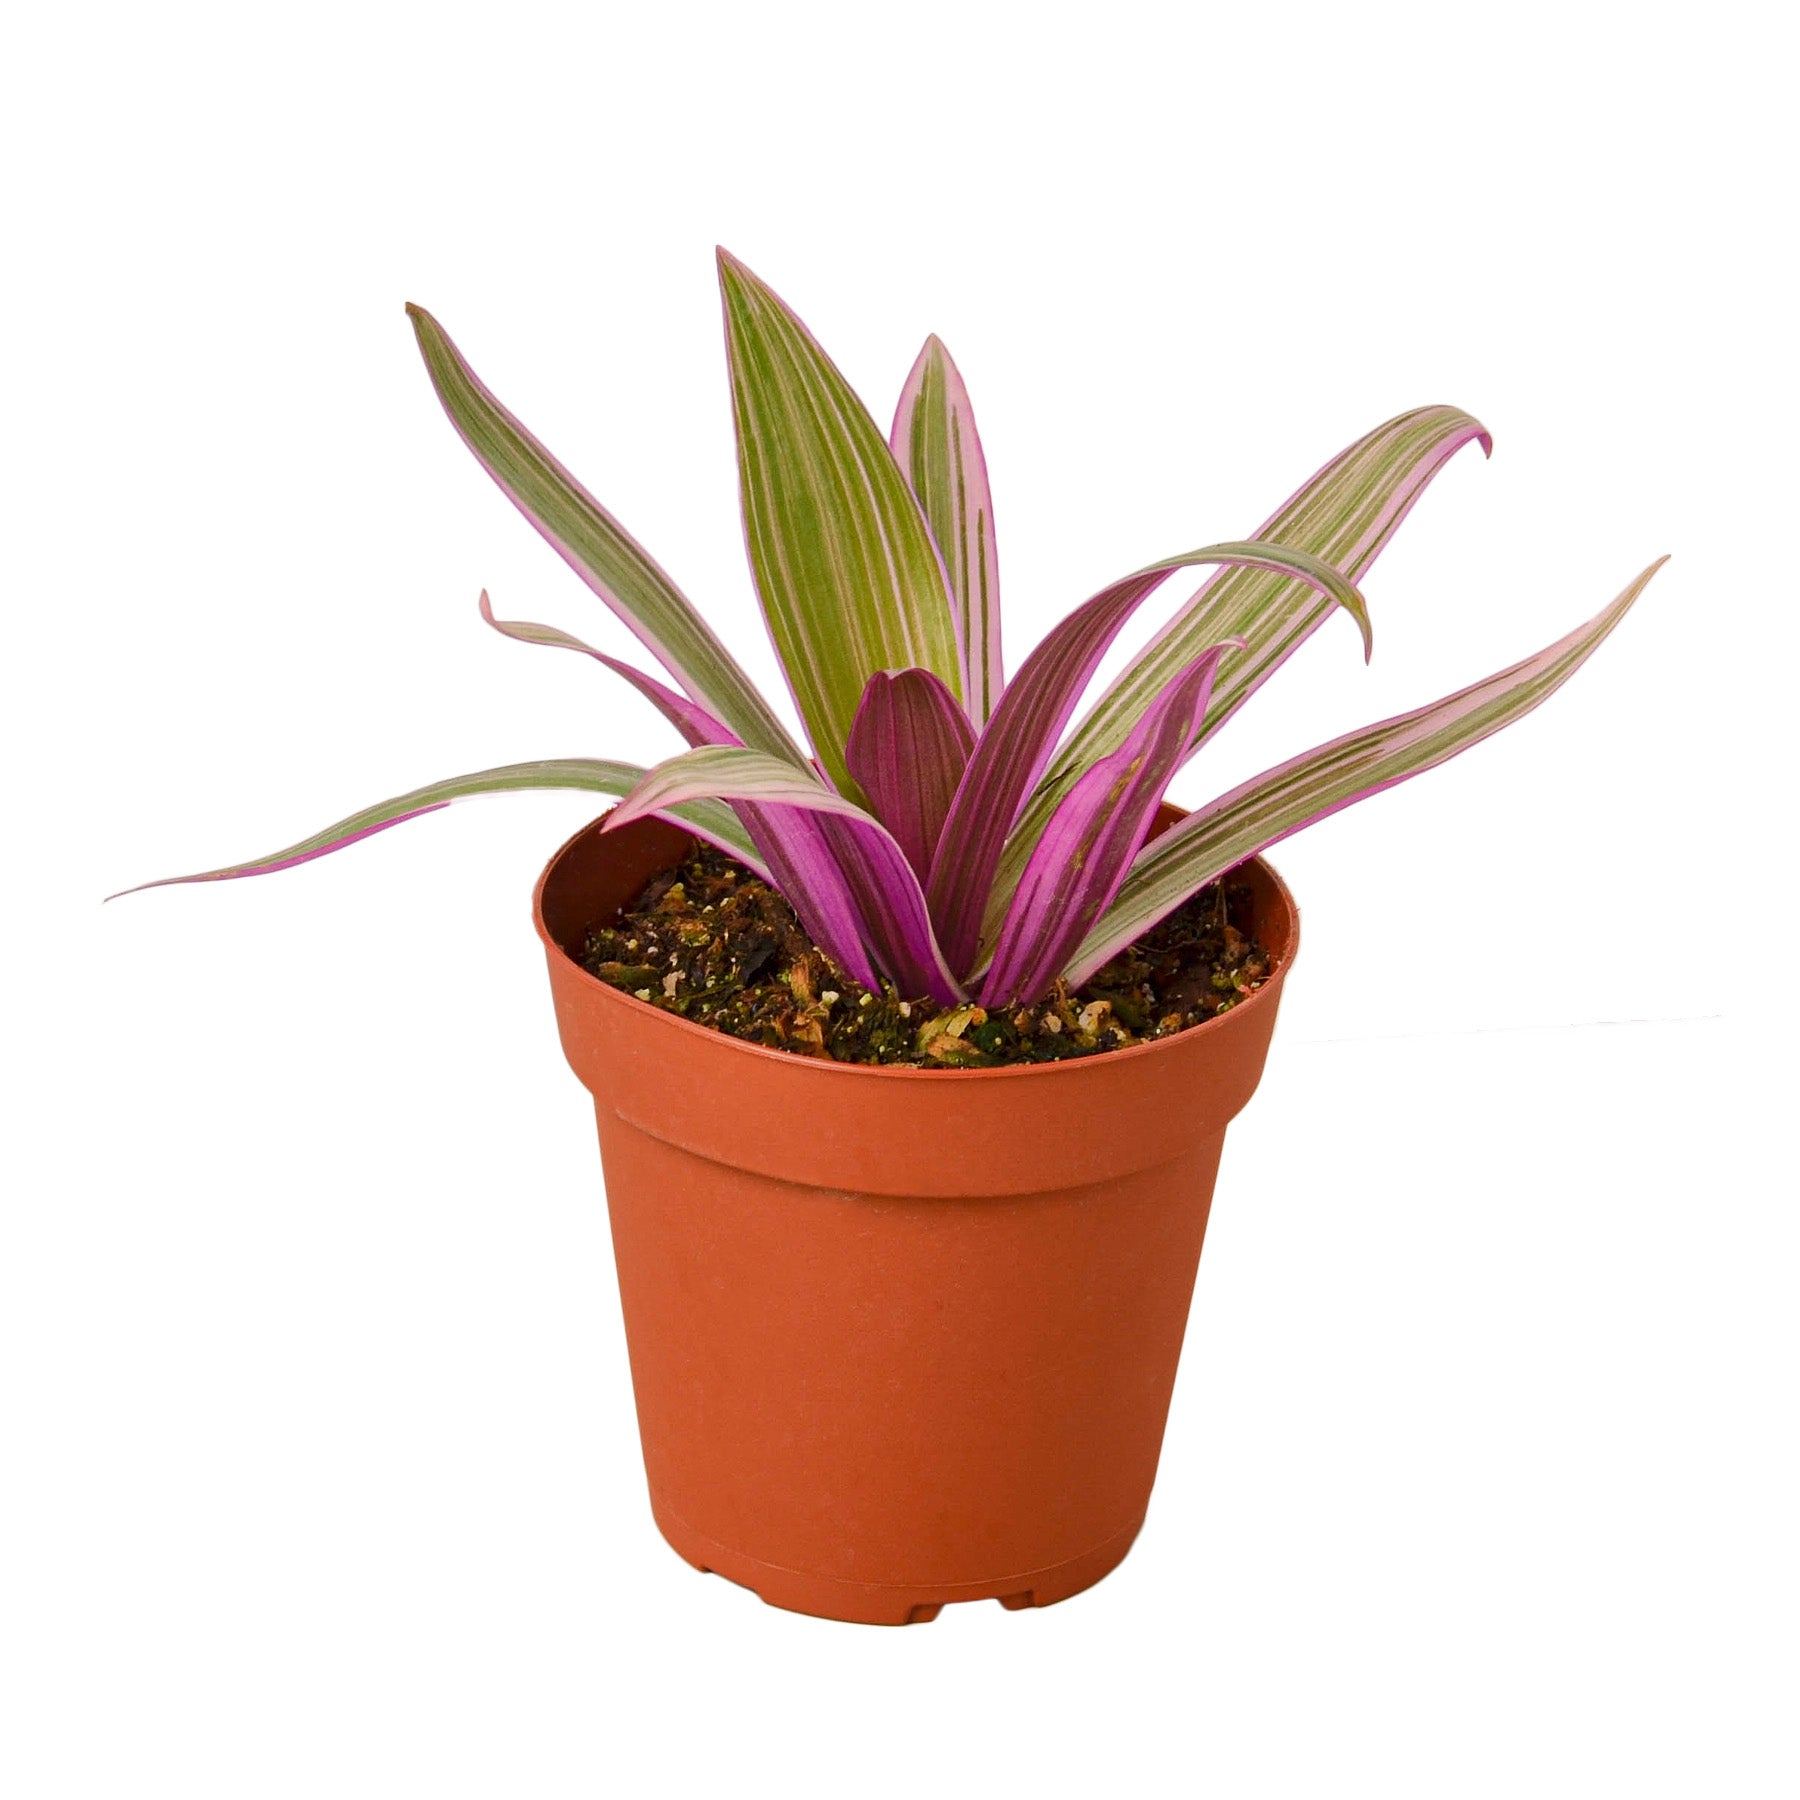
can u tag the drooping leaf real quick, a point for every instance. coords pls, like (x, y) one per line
(1012, 753)
(790, 840)
(860, 852)
(1298, 793)
(705, 818)
(688, 717)
(597, 547)
(1092, 836)
(908, 748)
(1345, 515)
(849, 577)
(938, 448)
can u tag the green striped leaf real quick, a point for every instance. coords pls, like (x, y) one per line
(1344, 515)
(849, 577)
(597, 547)
(937, 446)
(706, 818)
(1298, 793)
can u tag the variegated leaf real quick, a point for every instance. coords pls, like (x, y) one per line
(1344, 515)
(860, 852)
(705, 818)
(849, 577)
(1092, 837)
(1298, 793)
(937, 446)
(791, 841)
(597, 547)
(1037, 704)
(688, 717)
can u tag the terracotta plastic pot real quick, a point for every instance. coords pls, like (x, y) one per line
(898, 1337)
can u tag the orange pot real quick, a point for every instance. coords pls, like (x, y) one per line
(898, 1337)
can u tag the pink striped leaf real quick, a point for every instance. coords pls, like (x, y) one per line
(855, 849)
(1017, 745)
(688, 717)
(789, 839)
(1082, 858)
(1344, 515)
(937, 446)
(844, 562)
(908, 747)
(705, 818)
(597, 547)
(1300, 792)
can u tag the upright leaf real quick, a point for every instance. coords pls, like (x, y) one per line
(1298, 793)
(908, 748)
(1344, 515)
(1100, 826)
(705, 818)
(1037, 704)
(849, 577)
(935, 442)
(597, 547)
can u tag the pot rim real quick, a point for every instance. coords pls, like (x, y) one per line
(824, 1066)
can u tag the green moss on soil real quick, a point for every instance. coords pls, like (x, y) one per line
(713, 943)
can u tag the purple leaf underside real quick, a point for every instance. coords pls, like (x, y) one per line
(858, 854)
(907, 749)
(1082, 858)
(1038, 703)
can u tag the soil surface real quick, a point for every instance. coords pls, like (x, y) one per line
(714, 943)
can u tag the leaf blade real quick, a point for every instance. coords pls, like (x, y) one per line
(861, 862)
(1021, 737)
(908, 747)
(1082, 858)
(935, 442)
(709, 820)
(688, 717)
(798, 857)
(1345, 513)
(596, 546)
(1262, 811)
(849, 578)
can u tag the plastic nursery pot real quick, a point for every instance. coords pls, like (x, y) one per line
(898, 1337)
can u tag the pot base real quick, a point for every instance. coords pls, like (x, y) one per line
(875, 1603)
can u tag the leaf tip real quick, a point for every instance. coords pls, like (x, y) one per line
(144, 887)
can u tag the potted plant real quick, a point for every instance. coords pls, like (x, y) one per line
(908, 1114)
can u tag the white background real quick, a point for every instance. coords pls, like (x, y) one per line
(320, 1473)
